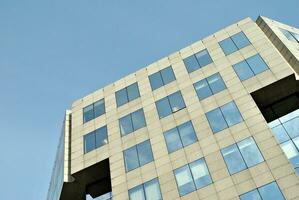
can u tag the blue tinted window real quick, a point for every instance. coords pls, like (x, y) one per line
(228, 46)
(191, 63)
(216, 83)
(270, 192)
(137, 193)
(126, 125)
(203, 58)
(88, 113)
(89, 142)
(257, 64)
(240, 40)
(187, 133)
(161, 78)
(280, 134)
(163, 107)
(288, 35)
(231, 114)
(252, 195)
(138, 119)
(173, 140)
(250, 152)
(291, 152)
(138, 155)
(243, 70)
(101, 136)
(292, 127)
(170, 104)
(99, 108)
(148, 191)
(192, 176)
(94, 110)
(233, 159)
(216, 120)
(202, 89)
(127, 94)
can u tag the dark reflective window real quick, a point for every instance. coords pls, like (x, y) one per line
(148, 191)
(161, 78)
(234, 43)
(127, 94)
(270, 191)
(138, 155)
(197, 61)
(191, 63)
(209, 86)
(132, 122)
(170, 104)
(94, 110)
(95, 139)
(180, 136)
(250, 67)
(242, 155)
(89, 142)
(192, 176)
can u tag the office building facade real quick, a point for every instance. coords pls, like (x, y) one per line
(218, 119)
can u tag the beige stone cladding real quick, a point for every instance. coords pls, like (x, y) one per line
(225, 186)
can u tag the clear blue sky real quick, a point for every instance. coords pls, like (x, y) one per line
(53, 52)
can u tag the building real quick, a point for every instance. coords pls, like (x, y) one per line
(218, 119)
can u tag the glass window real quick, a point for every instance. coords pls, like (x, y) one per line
(250, 152)
(240, 40)
(280, 134)
(138, 119)
(133, 91)
(99, 108)
(191, 63)
(233, 159)
(216, 83)
(170, 104)
(148, 191)
(252, 195)
(228, 46)
(270, 192)
(257, 64)
(127, 94)
(89, 142)
(184, 180)
(203, 58)
(176, 101)
(88, 113)
(173, 140)
(145, 154)
(296, 36)
(126, 125)
(243, 70)
(167, 75)
(292, 127)
(101, 136)
(288, 35)
(163, 107)
(202, 89)
(200, 173)
(291, 152)
(231, 114)
(156, 80)
(187, 133)
(192, 176)
(131, 158)
(216, 120)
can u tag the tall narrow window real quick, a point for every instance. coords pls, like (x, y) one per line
(197, 60)
(161, 78)
(127, 94)
(94, 110)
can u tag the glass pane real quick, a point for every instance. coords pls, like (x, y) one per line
(200, 173)
(288, 34)
(99, 108)
(240, 40)
(257, 64)
(280, 134)
(167, 75)
(216, 120)
(291, 152)
(145, 154)
(216, 83)
(191, 64)
(163, 108)
(228, 46)
(250, 152)
(292, 127)
(252, 195)
(187, 133)
(88, 113)
(125, 124)
(89, 142)
(203, 58)
(231, 114)
(243, 70)
(184, 180)
(156, 80)
(152, 190)
(289, 116)
(121, 97)
(202, 89)
(136, 193)
(101, 136)
(131, 158)
(296, 36)
(270, 192)
(138, 119)
(173, 141)
(176, 101)
(233, 159)
(296, 142)
(133, 91)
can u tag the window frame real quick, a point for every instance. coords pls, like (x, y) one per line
(199, 65)
(160, 74)
(93, 110)
(126, 92)
(94, 137)
(236, 46)
(143, 187)
(130, 116)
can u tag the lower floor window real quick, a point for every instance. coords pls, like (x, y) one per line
(270, 191)
(147, 191)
